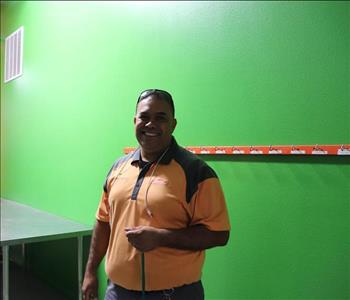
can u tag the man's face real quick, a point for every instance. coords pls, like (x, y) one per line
(154, 125)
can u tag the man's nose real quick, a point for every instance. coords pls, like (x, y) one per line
(150, 123)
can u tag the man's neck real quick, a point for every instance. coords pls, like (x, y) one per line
(150, 157)
(153, 156)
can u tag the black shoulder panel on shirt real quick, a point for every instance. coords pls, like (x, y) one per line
(196, 170)
(115, 165)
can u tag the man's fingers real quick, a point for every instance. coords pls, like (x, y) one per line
(132, 231)
(89, 296)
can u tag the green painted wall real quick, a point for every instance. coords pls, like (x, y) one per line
(241, 73)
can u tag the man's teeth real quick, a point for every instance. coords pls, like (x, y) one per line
(151, 134)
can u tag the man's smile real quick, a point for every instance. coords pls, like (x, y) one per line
(151, 134)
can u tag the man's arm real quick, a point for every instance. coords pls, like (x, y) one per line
(98, 248)
(146, 238)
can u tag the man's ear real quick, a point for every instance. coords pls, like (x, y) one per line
(134, 120)
(174, 125)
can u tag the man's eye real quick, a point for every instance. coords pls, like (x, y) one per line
(161, 118)
(143, 118)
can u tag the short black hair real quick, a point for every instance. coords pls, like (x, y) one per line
(160, 94)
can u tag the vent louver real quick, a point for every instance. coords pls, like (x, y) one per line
(13, 55)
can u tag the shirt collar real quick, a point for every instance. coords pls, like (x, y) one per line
(166, 159)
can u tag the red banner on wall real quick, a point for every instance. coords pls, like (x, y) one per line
(267, 150)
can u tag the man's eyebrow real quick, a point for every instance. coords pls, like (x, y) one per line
(160, 113)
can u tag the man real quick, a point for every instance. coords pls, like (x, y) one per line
(161, 207)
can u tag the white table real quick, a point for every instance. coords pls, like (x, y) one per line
(22, 224)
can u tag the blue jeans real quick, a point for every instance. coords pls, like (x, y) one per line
(192, 291)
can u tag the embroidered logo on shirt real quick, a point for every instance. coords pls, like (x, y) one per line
(159, 180)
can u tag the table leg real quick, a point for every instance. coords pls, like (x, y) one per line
(24, 263)
(5, 272)
(80, 265)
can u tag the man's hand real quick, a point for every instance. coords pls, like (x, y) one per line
(144, 238)
(89, 287)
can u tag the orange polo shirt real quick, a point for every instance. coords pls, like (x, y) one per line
(181, 191)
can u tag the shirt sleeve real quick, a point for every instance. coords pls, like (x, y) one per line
(102, 213)
(208, 206)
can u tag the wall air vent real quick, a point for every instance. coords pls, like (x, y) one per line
(13, 55)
